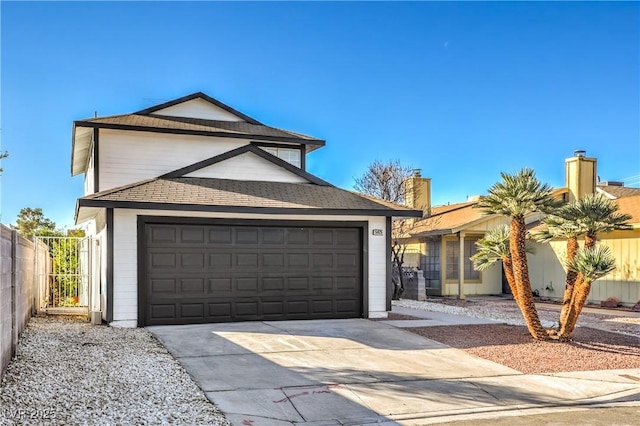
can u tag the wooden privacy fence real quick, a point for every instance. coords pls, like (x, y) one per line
(17, 256)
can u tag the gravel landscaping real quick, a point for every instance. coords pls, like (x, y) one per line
(506, 311)
(68, 372)
(601, 342)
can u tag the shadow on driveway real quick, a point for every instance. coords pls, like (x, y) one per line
(348, 372)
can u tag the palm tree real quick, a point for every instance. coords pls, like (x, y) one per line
(563, 224)
(517, 196)
(495, 247)
(591, 263)
(588, 216)
(594, 214)
(597, 214)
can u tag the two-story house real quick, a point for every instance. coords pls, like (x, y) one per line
(203, 214)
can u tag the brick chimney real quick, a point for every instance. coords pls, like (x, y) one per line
(580, 175)
(417, 193)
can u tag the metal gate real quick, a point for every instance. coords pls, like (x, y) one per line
(63, 274)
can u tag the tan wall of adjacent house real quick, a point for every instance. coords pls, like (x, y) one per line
(547, 271)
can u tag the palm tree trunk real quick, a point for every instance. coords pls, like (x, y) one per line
(569, 285)
(521, 275)
(580, 295)
(507, 265)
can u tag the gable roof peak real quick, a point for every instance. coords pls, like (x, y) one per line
(198, 95)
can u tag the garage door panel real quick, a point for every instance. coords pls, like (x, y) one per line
(220, 285)
(220, 235)
(248, 260)
(273, 261)
(322, 236)
(162, 260)
(220, 261)
(192, 285)
(192, 310)
(271, 284)
(298, 261)
(219, 310)
(161, 234)
(297, 236)
(323, 260)
(297, 284)
(247, 284)
(273, 236)
(247, 235)
(163, 286)
(322, 283)
(192, 234)
(210, 273)
(167, 311)
(246, 309)
(192, 260)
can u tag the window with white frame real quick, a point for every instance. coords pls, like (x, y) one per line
(290, 155)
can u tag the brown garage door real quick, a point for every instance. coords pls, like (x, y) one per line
(217, 273)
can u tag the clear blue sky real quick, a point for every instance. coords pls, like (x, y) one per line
(461, 90)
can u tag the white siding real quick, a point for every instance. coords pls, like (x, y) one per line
(248, 166)
(198, 108)
(89, 175)
(377, 268)
(125, 268)
(128, 157)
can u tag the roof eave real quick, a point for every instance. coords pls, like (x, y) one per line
(113, 126)
(85, 202)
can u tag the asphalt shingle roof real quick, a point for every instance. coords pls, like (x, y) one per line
(443, 219)
(225, 193)
(239, 128)
(619, 191)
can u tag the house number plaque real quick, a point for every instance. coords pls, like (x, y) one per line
(377, 232)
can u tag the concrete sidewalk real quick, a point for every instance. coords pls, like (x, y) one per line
(428, 318)
(360, 372)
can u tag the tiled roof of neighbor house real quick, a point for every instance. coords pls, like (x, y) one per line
(444, 219)
(630, 205)
(225, 128)
(619, 191)
(208, 194)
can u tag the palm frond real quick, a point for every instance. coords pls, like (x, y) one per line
(494, 247)
(593, 263)
(596, 213)
(518, 195)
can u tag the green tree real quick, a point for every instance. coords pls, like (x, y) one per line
(32, 222)
(517, 196)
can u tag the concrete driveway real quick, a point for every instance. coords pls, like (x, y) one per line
(357, 372)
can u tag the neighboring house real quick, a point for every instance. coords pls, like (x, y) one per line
(441, 235)
(204, 214)
(547, 268)
(446, 231)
